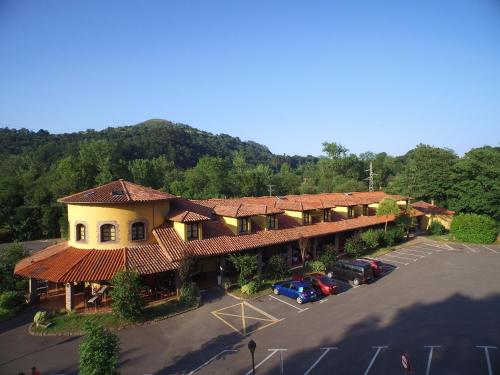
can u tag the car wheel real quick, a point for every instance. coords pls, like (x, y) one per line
(355, 282)
(299, 300)
(276, 291)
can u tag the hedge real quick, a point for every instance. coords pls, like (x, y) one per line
(473, 228)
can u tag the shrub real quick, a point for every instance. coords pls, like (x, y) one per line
(277, 267)
(99, 351)
(11, 300)
(328, 256)
(226, 283)
(40, 317)
(246, 264)
(252, 287)
(372, 237)
(394, 236)
(354, 246)
(473, 228)
(436, 228)
(315, 266)
(189, 292)
(126, 294)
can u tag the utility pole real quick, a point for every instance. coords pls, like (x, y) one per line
(270, 187)
(370, 177)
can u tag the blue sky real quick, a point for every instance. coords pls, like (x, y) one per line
(372, 75)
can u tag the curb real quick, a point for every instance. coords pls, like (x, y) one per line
(129, 325)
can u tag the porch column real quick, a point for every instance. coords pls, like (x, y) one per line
(178, 285)
(314, 248)
(289, 255)
(33, 284)
(259, 262)
(70, 296)
(337, 242)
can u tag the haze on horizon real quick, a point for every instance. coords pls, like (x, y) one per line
(378, 76)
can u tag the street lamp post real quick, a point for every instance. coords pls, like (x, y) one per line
(251, 346)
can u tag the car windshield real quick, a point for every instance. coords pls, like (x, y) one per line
(326, 280)
(307, 289)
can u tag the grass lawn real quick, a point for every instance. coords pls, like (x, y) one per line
(75, 323)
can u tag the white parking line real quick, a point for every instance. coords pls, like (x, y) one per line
(429, 360)
(409, 254)
(395, 261)
(487, 354)
(326, 350)
(418, 251)
(211, 360)
(323, 300)
(400, 257)
(490, 249)
(431, 248)
(471, 248)
(289, 304)
(273, 352)
(379, 348)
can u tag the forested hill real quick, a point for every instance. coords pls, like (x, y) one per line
(39, 167)
(180, 143)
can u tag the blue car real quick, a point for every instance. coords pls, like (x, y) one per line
(298, 290)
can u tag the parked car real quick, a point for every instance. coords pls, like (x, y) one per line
(298, 290)
(322, 283)
(355, 271)
(376, 265)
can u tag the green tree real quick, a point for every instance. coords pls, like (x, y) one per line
(247, 266)
(126, 295)
(207, 180)
(386, 207)
(428, 173)
(9, 256)
(99, 351)
(476, 182)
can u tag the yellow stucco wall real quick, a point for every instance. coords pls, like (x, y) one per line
(232, 224)
(261, 221)
(297, 215)
(445, 220)
(182, 230)
(341, 210)
(121, 215)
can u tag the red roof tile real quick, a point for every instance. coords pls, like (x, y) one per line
(72, 265)
(185, 216)
(428, 208)
(119, 191)
(218, 239)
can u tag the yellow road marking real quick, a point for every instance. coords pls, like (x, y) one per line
(243, 320)
(219, 315)
(223, 321)
(246, 317)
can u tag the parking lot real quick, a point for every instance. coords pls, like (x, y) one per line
(439, 302)
(344, 354)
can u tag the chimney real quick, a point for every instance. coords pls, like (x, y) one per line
(432, 201)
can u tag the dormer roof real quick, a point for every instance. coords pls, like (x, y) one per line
(119, 191)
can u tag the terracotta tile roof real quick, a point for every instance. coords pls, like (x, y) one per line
(218, 239)
(185, 216)
(428, 208)
(119, 191)
(148, 259)
(71, 264)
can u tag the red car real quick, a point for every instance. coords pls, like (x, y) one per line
(320, 282)
(376, 265)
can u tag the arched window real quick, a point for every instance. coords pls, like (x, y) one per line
(80, 232)
(138, 231)
(108, 233)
